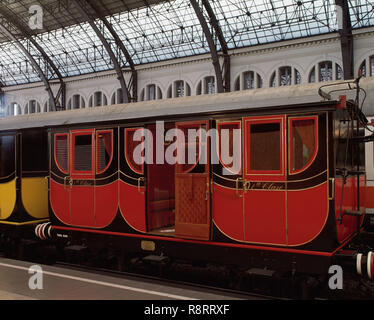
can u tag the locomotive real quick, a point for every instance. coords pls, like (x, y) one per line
(295, 202)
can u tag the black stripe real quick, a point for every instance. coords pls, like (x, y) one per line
(8, 179)
(132, 181)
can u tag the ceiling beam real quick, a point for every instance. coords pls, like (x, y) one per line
(120, 77)
(346, 37)
(225, 50)
(119, 43)
(59, 104)
(40, 72)
(212, 47)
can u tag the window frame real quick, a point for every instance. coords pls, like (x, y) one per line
(234, 122)
(187, 126)
(290, 144)
(98, 132)
(129, 163)
(76, 173)
(268, 120)
(56, 135)
(14, 160)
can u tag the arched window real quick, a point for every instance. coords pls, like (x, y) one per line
(76, 102)
(14, 109)
(285, 76)
(206, 86)
(151, 92)
(179, 89)
(98, 99)
(248, 80)
(117, 97)
(327, 71)
(367, 67)
(32, 107)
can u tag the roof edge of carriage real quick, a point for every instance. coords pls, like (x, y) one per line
(238, 101)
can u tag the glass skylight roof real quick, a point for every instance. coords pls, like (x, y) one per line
(171, 30)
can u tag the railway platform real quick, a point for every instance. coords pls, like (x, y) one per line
(20, 280)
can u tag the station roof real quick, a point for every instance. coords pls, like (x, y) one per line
(153, 30)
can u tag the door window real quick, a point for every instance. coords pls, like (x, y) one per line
(265, 147)
(303, 143)
(61, 152)
(130, 145)
(229, 146)
(83, 152)
(104, 152)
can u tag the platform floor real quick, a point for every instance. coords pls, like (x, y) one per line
(67, 284)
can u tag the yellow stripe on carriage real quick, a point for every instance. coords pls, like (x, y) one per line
(34, 193)
(7, 199)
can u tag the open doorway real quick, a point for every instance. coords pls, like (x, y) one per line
(160, 192)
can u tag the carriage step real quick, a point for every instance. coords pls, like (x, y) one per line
(76, 248)
(353, 213)
(260, 272)
(156, 259)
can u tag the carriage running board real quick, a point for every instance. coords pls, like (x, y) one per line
(156, 259)
(261, 272)
(353, 213)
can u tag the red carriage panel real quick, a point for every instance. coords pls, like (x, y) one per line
(59, 199)
(132, 194)
(227, 210)
(227, 199)
(132, 205)
(106, 204)
(60, 193)
(265, 216)
(106, 193)
(265, 176)
(82, 160)
(307, 207)
(307, 213)
(82, 206)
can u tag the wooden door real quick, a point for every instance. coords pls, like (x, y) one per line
(192, 183)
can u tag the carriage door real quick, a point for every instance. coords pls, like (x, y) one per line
(82, 175)
(192, 185)
(265, 176)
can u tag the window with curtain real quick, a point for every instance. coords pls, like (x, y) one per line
(303, 143)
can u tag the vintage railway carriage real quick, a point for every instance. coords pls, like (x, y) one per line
(271, 182)
(23, 181)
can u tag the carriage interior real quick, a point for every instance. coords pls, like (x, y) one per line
(160, 193)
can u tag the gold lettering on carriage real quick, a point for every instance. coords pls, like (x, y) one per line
(248, 185)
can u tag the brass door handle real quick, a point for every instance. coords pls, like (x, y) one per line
(237, 188)
(139, 184)
(332, 197)
(207, 191)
